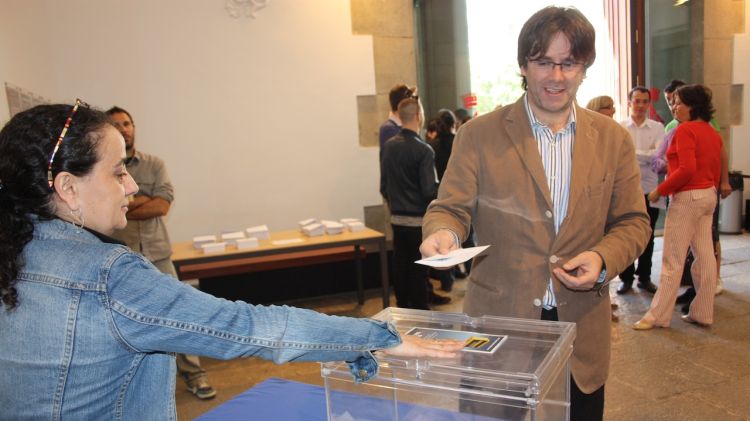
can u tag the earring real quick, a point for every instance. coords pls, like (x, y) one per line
(77, 216)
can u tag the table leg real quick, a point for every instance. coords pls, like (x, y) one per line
(360, 282)
(384, 273)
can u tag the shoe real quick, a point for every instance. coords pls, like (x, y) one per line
(647, 285)
(615, 318)
(686, 318)
(625, 287)
(202, 390)
(439, 299)
(685, 308)
(614, 306)
(643, 325)
(460, 275)
(719, 286)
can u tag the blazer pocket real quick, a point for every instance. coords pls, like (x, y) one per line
(598, 188)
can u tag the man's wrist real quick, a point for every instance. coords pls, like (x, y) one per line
(456, 240)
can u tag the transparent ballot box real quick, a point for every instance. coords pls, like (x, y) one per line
(510, 369)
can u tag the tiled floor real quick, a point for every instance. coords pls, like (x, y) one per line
(681, 373)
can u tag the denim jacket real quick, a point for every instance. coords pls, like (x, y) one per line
(94, 333)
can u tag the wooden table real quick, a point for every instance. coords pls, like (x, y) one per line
(282, 247)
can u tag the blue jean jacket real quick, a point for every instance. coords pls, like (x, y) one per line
(96, 326)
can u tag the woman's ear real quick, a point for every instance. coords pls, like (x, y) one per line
(66, 188)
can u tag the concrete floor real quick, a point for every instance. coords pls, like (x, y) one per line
(681, 373)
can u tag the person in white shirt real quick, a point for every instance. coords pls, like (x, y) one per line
(647, 135)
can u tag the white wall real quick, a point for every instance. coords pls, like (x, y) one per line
(255, 118)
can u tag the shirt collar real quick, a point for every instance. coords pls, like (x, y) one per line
(133, 159)
(537, 125)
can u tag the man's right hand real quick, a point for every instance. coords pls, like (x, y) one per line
(440, 242)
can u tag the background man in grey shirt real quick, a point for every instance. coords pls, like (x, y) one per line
(146, 232)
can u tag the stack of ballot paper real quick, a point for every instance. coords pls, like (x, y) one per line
(306, 222)
(203, 239)
(353, 224)
(313, 230)
(247, 243)
(333, 227)
(260, 232)
(214, 247)
(232, 237)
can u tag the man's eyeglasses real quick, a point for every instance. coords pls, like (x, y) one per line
(567, 66)
(77, 104)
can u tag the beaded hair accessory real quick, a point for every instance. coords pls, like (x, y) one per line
(78, 103)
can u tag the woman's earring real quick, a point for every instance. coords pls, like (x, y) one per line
(77, 216)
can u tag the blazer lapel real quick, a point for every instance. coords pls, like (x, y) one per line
(519, 131)
(583, 153)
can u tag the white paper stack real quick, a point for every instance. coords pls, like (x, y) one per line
(214, 247)
(333, 227)
(353, 224)
(203, 239)
(260, 232)
(314, 230)
(247, 243)
(232, 237)
(307, 222)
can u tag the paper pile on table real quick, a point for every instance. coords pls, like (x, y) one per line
(260, 232)
(203, 239)
(353, 224)
(313, 230)
(214, 247)
(333, 227)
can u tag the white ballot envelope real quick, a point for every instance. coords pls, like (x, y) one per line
(453, 258)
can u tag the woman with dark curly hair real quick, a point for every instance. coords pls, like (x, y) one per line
(88, 327)
(694, 174)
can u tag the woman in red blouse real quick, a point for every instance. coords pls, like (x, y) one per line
(694, 168)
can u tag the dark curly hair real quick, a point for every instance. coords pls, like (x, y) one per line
(26, 143)
(537, 34)
(698, 98)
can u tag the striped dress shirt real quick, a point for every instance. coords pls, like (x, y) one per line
(556, 151)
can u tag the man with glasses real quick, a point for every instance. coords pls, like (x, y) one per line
(555, 190)
(146, 231)
(647, 136)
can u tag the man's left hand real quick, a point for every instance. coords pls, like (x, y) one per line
(581, 272)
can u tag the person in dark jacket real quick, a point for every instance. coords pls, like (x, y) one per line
(408, 183)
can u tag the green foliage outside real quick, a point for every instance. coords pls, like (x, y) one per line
(495, 90)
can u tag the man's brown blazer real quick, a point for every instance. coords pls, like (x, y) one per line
(495, 180)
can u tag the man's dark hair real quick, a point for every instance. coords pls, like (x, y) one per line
(408, 109)
(537, 34)
(639, 88)
(698, 98)
(398, 93)
(673, 85)
(462, 115)
(116, 109)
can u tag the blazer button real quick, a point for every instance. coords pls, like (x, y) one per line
(553, 259)
(548, 214)
(537, 302)
(363, 374)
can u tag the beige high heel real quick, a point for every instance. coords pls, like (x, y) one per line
(643, 325)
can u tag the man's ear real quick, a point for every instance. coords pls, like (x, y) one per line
(66, 188)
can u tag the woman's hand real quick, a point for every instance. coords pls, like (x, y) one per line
(413, 346)
(654, 196)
